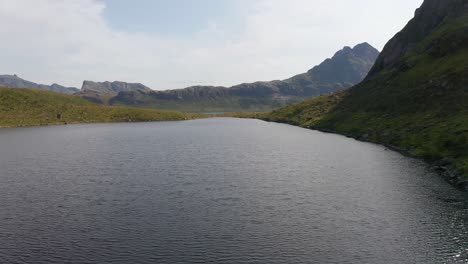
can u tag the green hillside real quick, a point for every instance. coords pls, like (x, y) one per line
(416, 96)
(29, 107)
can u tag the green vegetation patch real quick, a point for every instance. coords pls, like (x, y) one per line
(30, 107)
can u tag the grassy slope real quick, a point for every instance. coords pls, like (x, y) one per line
(420, 105)
(29, 107)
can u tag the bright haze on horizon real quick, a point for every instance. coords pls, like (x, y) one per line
(168, 44)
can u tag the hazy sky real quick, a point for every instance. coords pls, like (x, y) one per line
(177, 43)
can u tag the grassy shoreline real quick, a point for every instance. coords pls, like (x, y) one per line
(94, 122)
(33, 107)
(446, 167)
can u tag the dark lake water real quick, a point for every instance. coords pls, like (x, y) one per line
(219, 191)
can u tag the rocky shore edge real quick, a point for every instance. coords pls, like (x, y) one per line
(444, 167)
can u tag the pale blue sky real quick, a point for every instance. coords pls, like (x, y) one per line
(167, 44)
(176, 18)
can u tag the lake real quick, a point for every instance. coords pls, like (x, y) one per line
(219, 190)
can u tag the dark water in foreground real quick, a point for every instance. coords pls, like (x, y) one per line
(219, 191)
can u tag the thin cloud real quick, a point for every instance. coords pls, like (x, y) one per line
(70, 41)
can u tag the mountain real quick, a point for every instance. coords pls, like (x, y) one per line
(414, 99)
(28, 107)
(101, 92)
(16, 82)
(346, 68)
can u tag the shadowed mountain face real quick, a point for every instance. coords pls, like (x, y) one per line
(415, 97)
(16, 82)
(431, 14)
(346, 68)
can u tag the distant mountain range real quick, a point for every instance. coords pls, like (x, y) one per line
(346, 68)
(16, 82)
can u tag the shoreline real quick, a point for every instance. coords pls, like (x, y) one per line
(96, 122)
(443, 167)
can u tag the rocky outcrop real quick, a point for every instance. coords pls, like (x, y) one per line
(113, 87)
(16, 82)
(102, 92)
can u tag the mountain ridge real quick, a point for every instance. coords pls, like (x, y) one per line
(16, 82)
(346, 68)
(102, 92)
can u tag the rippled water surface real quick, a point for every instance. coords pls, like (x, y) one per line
(219, 191)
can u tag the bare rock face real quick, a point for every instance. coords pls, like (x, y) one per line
(102, 92)
(113, 87)
(16, 82)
